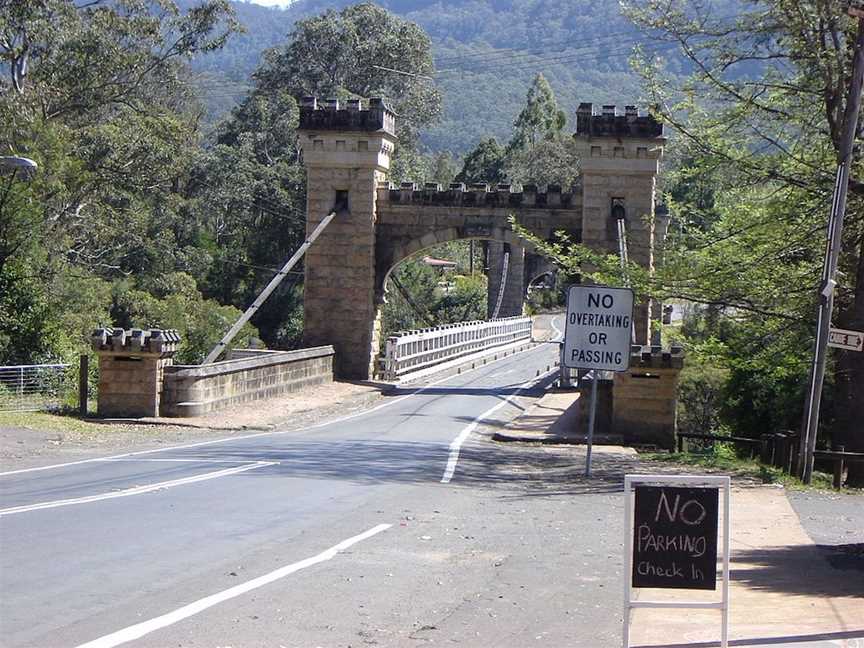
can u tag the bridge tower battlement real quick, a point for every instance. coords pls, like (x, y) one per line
(347, 148)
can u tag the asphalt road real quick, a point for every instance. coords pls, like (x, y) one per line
(397, 526)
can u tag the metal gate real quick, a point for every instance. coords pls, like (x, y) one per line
(35, 387)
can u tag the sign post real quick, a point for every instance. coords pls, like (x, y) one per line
(670, 541)
(597, 337)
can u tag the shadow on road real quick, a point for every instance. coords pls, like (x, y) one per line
(812, 570)
(784, 642)
(518, 470)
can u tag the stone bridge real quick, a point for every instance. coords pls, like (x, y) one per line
(347, 151)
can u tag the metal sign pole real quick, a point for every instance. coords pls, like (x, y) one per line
(591, 417)
(835, 239)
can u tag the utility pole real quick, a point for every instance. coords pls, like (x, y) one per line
(832, 254)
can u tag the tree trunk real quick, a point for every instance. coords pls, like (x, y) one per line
(849, 381)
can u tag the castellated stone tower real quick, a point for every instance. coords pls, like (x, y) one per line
(346, 151)
(620, 159)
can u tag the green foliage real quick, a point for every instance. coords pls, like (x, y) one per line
(465, 300)
(178, 304)
(540, 120)
(700, 395)
(549, 162)
(483, 164)
(762, 114)
(546, 299)
(444, 169)
(487, 52)
(345, 53)
(104, 111)
(410, 310)
(433, 297)
(538, 152)
(25, 324)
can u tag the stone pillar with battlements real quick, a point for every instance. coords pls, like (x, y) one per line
(346, 152)
(131, 367)
(619, 158)
(645, 398)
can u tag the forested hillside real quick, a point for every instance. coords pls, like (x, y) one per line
(486, 54)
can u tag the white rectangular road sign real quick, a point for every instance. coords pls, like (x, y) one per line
(599, 324)
(843, 339)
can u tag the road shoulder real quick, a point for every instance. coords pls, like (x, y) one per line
(35, 439)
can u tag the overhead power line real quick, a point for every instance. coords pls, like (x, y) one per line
(548, 48)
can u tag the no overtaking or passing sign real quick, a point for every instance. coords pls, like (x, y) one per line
(599, 325)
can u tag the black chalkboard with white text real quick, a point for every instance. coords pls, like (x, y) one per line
(675, 537)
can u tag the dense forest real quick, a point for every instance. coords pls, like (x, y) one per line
(170, 188)
(485, 52)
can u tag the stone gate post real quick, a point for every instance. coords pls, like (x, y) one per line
(346, 151)
(131, 368)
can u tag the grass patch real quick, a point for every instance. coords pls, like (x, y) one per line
(722, 458)
(65, 422)
(48, 421)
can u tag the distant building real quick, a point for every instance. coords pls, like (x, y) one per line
(442, 264)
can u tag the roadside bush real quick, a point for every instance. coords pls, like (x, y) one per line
(200, 322)
(545, 299)
(700, 395)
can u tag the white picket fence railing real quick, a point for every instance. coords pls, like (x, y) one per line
(32, 387)
(413, 351)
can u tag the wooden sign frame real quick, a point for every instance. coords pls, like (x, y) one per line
(723, 483)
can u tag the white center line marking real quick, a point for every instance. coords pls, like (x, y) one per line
(171, 460)
(456, 444)
(137, 490)
(146, 627)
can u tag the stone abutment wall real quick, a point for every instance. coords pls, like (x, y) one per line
(137, 377)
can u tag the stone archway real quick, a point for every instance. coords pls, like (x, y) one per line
(510, 297)
(347, 149)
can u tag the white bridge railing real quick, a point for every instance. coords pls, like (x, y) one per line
(412, 351)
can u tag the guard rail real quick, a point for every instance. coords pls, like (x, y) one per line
(412, 351)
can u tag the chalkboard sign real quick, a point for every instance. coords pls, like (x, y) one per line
(675, 537)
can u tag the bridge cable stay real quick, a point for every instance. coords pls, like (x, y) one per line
(504, 267)
(274, 282)
(624, 256)
(422, 313)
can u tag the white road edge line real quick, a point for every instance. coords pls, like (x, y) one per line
(146, 627)
(251, 436)
(137, 490)
(456, 444)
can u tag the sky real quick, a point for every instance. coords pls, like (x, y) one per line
(272, 3)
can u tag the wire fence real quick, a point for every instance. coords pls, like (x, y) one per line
(37, 387)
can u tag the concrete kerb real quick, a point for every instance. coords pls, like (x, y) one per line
(545, 421)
